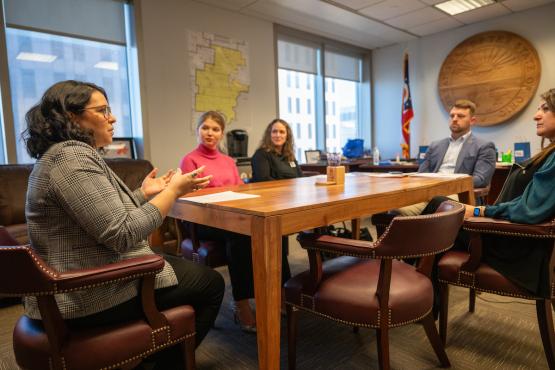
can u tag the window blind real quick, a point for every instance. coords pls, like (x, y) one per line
(101, 20)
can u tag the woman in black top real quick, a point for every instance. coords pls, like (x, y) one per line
(275, 159)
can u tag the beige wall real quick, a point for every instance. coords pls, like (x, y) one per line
(165, 84)
(426, 56)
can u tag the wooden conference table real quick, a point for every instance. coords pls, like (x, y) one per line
(288, 206)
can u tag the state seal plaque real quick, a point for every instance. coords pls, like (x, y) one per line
(498, 70)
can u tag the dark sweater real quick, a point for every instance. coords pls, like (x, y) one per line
(268, 166)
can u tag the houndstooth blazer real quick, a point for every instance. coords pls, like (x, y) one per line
(81, 215)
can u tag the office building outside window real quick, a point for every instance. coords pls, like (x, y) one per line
(35, 64)
(43, 52)
(2, 136)
(339, 103)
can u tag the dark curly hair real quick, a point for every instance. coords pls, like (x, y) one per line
(50, 121)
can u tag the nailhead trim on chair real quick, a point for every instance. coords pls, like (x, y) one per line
(499, 232)
(83, 287)
(42, 267)
(530, 297)
(373, 255)
(154, 349)
(351, 323)
(148, 352)
(467, 273)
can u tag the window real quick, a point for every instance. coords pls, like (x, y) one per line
(337, 102)
(42, 51)
(296, 80)
(298, 105)
(288, 79)
(103, 64)
(2, 136)
(289, 105)
(299, 130)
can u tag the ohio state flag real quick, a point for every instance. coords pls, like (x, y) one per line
(407, 112)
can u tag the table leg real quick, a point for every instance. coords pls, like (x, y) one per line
(266, 261)
(355, 228)
(467, 197)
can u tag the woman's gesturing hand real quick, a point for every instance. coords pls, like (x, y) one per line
(152, 185)
(183, 183)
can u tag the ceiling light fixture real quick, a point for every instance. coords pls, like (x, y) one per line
(453, 7)
(36, 57)
(112, 66)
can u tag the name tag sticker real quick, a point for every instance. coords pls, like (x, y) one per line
(292, 164)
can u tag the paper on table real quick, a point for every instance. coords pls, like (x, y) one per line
(385, 174)
(220, 197)
(438, 175)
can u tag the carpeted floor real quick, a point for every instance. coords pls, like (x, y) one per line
(501, 334)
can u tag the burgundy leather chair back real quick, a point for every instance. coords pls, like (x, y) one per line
(415, 236)
(22, 261)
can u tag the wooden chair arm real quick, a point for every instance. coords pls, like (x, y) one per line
(336, 245)
(481, 192)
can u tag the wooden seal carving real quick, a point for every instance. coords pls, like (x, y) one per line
(498, 70)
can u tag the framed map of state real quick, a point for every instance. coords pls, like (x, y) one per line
(498, 70)
(219, 72)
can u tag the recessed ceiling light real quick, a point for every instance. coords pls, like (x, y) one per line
(36, 57)
(112, 66)
(453, 7)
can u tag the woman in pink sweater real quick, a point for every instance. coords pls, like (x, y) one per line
(210, 131)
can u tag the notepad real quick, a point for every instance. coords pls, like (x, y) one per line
(220, 197)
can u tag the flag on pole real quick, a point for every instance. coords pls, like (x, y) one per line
(407, 112)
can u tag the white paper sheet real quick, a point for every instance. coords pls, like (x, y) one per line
(220, 197)
(385, 174)
(438, 175)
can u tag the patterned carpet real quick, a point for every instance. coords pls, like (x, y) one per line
(501, 334)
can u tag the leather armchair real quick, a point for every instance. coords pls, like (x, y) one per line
(466, 269)
(205, 252)
(50, 344)
(368, 286)
(382, 220)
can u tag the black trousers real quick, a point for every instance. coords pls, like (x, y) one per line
(239, 256)
(198, 286)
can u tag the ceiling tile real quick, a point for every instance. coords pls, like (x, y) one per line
(354, 4)
(340, 25)
(417, 18)
(391, 8)
(435, 27)
(480, 14)
(227, 4)
(518, 5)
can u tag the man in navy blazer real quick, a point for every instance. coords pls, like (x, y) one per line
(462, 152)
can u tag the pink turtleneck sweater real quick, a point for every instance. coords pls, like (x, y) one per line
(219, 165)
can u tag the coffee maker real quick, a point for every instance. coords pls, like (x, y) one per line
(237, 143)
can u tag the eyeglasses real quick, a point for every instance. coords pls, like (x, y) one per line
(104, 109)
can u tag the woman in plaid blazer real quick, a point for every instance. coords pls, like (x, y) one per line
(81, 215)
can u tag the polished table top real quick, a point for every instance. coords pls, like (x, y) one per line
(288, 206)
